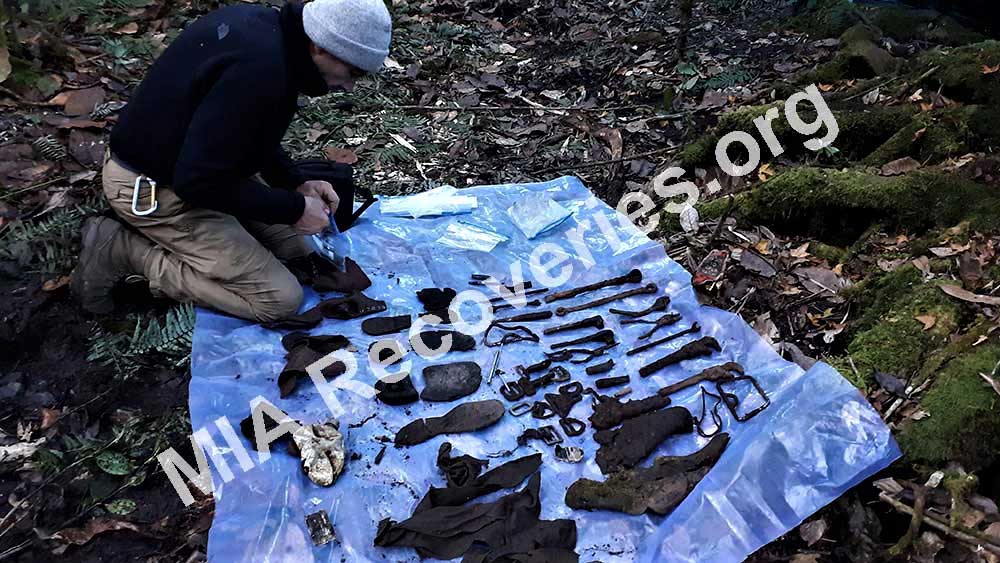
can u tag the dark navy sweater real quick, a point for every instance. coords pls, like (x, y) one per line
(213, 109)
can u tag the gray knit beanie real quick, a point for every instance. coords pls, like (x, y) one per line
(355, 31)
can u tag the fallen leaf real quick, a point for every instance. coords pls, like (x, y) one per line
(713, 99)
(900, 166)
(943, 251)
(987, 69)
(812, 532)
(787, 67)
(804, 558)
(916, 97)
(54, 284)
(19, 451)
(891, 383)
(49, 418)
(993, 530)
(406, 144)
(689, 219)
(800, 251)
(871, 97)
(128, 29)
(5, 67)
(613, 138)
(919, 134)
(825, 87)
(337, 154)
(965, 295)
(765, 171)
(992, 381)
(96, 526)
(928, 320)
(82, 102)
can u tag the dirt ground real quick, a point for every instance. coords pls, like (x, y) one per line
(839, 255)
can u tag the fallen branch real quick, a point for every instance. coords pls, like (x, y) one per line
(522, 108)
(604, 162)
(971, 538)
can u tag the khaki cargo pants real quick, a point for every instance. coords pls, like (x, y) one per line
(207, 257)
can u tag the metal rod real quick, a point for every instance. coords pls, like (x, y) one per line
(635, 276)
(590, 322)
(693, 329)
(646, 289)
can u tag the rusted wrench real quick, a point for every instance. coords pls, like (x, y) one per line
(635, 276)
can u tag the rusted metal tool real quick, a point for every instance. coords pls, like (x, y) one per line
(693, 329)
(526, 317)
(607, 382)
(512, 334)
(644, 290)
(590, 322)
(605, 336)
(660, 304)
(660, 322)
(567, 354)
(501, 299)
(535, 367)
(724, 372)
(532, 303)
(635, 276)
(602, 367)
(705, 346)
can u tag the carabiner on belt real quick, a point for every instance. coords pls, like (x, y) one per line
(135, 196)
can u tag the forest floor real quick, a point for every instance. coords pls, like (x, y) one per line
(877, 254)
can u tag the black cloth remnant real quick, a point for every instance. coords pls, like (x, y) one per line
(447, 382)
(316, 271)
(657, 489)
(396, 393)
(636, 438)
(380, 326)
(458, 470)
(507, 530)
(305, 349)
(246, 428)
(610, 412)
(436, 301)
(505, 476)
(431, 339)
(385, 353)
(467, 417)
(352, 306)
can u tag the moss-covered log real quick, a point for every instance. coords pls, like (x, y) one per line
(838, 205)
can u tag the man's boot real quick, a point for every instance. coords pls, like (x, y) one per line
(109, 254)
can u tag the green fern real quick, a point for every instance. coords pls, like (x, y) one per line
(172, 338)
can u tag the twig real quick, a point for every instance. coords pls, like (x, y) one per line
(870, 90)
(37, 186)
(972, 538)
(915, 521)
(603, 162)
(17, 98)
(722, 219)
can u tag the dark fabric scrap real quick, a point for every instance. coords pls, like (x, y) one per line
(316, 271)
(436, 302)
(458, 470)
(303, 350)
(487, 530)
(447, 382)
(636, 438)
(610, 412)
(396, 393)
(380, 326)
(352, 306)
(657, 489)
(432, 340)
(467, 417)
(505, 476)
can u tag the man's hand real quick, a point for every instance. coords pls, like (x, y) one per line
(315, 216)
(322, 190)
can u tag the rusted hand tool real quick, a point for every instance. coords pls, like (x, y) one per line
(660, 304)
(662, 321)
(501, 299)
(526, 317)
(726, 372)
(606, 382)
(602, 367)
(646, 289)
(567, 354)
(635, 276)
(605, 336)
(514, 333)
(590, 322)
(532, 303)
(693, 329)
(701, 347)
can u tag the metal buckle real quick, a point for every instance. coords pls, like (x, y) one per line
(542, 410)
(572, 426)
(520, 409)
(559, 374)
(135, 196)
(732, 401)
(550, 435)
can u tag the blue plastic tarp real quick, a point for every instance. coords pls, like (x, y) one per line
(818, 438)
